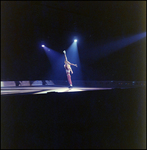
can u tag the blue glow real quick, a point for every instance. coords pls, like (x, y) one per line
(75, 40)
(108, 48)
(57, 71)
(46, 48)
(73, 57)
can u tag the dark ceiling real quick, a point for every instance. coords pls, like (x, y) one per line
(25, 25)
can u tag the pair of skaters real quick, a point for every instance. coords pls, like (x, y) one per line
(68, 69)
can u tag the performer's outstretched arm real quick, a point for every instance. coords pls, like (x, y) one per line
(67, 60)
(72, 64)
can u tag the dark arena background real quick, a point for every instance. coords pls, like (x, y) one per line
(106, 107)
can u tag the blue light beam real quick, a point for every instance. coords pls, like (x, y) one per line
(104, 50)
(57, 71)
(73, 57)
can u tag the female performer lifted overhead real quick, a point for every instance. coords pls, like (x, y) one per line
(68, 69)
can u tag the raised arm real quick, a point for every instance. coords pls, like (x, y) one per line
(65, 55)
(67, 60)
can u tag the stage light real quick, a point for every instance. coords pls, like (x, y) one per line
(75, 40)
(43, 45)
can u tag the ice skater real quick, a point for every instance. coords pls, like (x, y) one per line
(68, 69)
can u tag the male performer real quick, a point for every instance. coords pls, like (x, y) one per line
(68, 69)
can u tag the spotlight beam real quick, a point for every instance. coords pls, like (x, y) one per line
(108, 48)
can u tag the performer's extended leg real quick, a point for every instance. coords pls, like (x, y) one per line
(69, 79)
